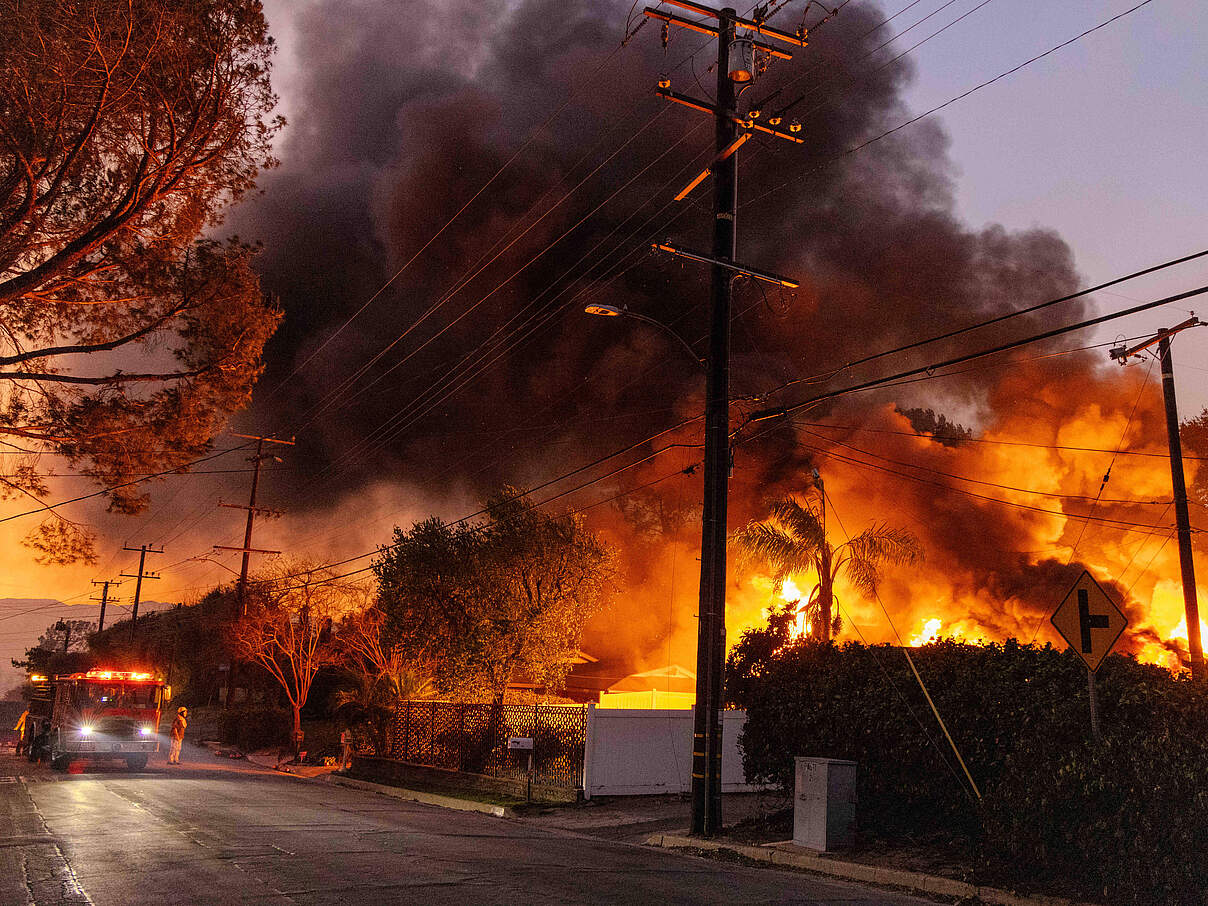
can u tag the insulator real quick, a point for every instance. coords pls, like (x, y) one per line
(774, 121)
(755, 113)
(748, 124)
(664, 82)
(742, 59)
(794, 126)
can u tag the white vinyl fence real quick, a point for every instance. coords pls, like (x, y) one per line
(632, 752)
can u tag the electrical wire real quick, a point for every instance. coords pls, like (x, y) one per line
(532, 135)
(125, 484)
(998, 319)
(1119, 524)
(855, 148)
(913, 669)
(991, 484)
(929, 370)
(961, 439)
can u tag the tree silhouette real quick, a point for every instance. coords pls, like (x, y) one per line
(792, 541)
(126, 336)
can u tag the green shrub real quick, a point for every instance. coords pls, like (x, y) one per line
(257, 727)
(1123, 820)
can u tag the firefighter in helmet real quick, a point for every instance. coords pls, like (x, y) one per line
(178, 734)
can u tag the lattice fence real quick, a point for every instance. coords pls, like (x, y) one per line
(473, 737)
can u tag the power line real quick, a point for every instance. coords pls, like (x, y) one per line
(125, 484)
(998, 319)
(503, 340)
(855, 148)
(991, 484)
(1120, 524)
(929, 370)
(961, 439)
(533, 133)
(342, 388)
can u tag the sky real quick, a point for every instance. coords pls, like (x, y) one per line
(1101, 141)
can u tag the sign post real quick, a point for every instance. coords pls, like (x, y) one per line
(524, 744)
(1091, 623)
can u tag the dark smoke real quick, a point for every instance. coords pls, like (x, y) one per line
(398, 118)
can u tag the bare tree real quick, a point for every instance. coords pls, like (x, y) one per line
(288, 628)
(382, 676)
(126, 339)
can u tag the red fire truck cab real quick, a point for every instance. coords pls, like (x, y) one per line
(101, 714)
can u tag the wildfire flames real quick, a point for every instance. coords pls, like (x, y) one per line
(1002, 518)
(1008, 517)
(929, 633)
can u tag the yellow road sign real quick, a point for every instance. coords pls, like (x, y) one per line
(1089, 620)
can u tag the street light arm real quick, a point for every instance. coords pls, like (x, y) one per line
(667, 330)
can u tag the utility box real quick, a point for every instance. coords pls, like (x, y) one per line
(824, 804)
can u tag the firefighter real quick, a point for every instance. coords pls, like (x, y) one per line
(178, 734)
(345, 750)
(22, 733)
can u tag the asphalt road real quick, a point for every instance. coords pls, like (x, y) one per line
(215, 833)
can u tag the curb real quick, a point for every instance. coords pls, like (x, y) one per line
(868, 874)
(398, 792)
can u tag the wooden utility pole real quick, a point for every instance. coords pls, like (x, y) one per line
(736, 66)
(1182, 518)
(247, 550)
(143, 550)
(252, 510)
(104, 599)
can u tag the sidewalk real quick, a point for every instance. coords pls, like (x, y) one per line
(634, 819)
(268, 759)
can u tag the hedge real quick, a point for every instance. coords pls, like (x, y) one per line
(1124, 820)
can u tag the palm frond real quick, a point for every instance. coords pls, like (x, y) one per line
(769, 545)
(803, 522)
(785, 542)
(877, 546)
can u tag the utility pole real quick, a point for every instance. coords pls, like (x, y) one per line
(62, 627)
(247, 550)
(252, 510)
(143, 550)
(104, 599)
(736, 65)
(1182, 518)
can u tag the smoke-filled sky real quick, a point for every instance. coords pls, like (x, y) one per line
(475, 366)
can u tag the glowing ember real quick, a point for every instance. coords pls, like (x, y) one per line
(929, 633)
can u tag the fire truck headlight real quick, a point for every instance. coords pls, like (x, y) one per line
(85, 731)
(146, 731)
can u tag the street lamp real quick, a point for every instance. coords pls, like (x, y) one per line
(612, 311)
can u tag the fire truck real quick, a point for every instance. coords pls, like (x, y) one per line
(101, 714)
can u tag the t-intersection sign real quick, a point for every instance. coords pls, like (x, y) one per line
(1089, 620)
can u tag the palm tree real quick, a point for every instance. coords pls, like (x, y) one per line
(373, 699)
(792, 540)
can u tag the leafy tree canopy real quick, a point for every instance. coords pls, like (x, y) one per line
(126, 337)
(510, 595)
